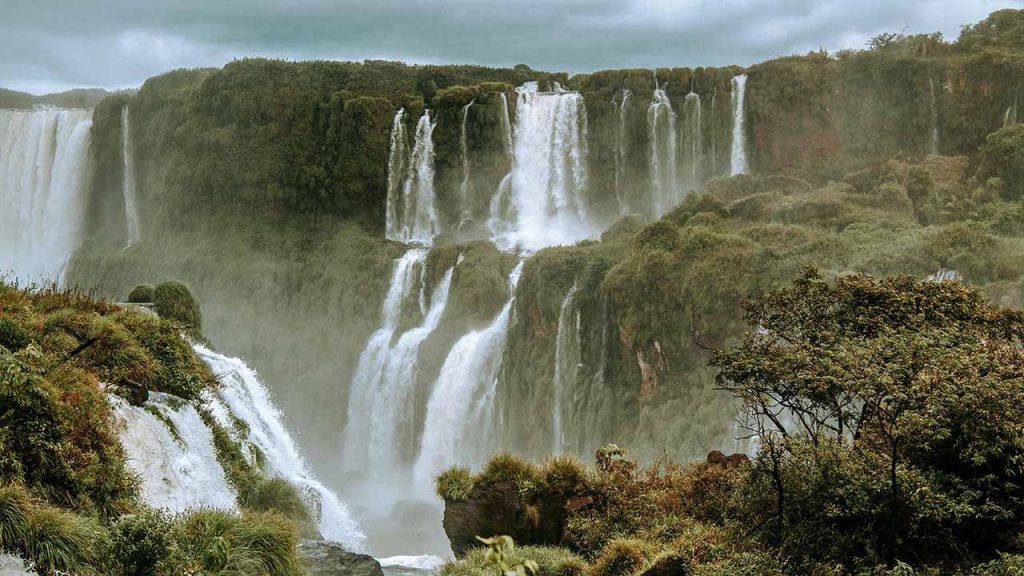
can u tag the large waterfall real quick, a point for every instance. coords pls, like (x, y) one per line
(739, 130)
(465, 202)
(620, 152)
(693, 144)
(459, 427)
(548, 182)
(411, 202)
(171, 449)
(241, 395)
(363, 402)
(661, 120)
(43, 172)
(131, 209)
(567, 358)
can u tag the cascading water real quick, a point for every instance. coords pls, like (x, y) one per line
(621, 151)
(465, 204)
(131, 210)
(933, 118)
(177, 467)
(547, 197)
(393, 394)
(1010, 117)
(661, 122)
(567, 359)
(459, 427)
(411, 210)
(43, 169)
(714, 135)
(693, 143)
(506, 126)
(362, 403)
(739, 131)
(241, 393)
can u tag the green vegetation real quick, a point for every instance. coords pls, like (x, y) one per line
(174, 301)
(547, 561)
(68, 503)
(141, 294)
(455, 484)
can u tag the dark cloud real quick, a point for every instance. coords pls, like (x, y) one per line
(57, 44)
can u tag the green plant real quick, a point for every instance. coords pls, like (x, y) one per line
(143, 543)
(500, 553)
(14, 506)
(623, 557)
(175, 301)
(455, 484)
(12, 335)
(62, 541)
(276, 495)
(141, 294)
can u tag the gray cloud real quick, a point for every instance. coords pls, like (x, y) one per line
(58, 44)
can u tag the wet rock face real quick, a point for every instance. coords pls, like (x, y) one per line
(324, 558)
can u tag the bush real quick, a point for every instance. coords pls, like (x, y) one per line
(551, 561)
(256, 544)
(277, 495)
(141, 294)
(14, 505)
(455, 484)
(623, 557)
(61, 541)
(509, 468)
(563, 474)
(174, 301)
(144, 544)
(12, 335)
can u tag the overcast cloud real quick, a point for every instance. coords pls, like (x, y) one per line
(51, 45)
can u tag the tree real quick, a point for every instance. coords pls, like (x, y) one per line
(884, 410)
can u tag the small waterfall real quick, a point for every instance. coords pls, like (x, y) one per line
(131, 210)
(739, 131)
(1010, 117)
(177, 467)
(459, 427)
(466, 207)
(933, 118)
(693, 144)
(621, 151)
(567, 359)
(241, 393)
(549, 170)
(661, 121)
(714, 134)
(398, 159)
(361, 408)
(412, 214)
(43, 168)
(506, 126)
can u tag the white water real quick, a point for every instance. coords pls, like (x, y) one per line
(548, 183)
(459, 426)
(422, 562)
(43, 171)
(465, 204)
(506, 126)
(567, 358)
(392, 406)
(241, 392)
(131, 210)
(621, 152)
(693, 144)
(933, 116)
(661, 125)
(412, 210)
(739, 132)
(357, 453)
(1010, 117)
(176, 472)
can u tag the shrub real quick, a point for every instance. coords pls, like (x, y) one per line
(455, 484)
(257, 544)
(622, 557)
(141, 294)
(563, 474)
(61, 541)
(551, 561)
(509, 468)
(276, 495)
(144, 544)
(14, 505)
(12, 335)
(175, 301)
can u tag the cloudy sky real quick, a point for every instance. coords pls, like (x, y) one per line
(50, 45)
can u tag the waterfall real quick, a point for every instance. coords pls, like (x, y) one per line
(131, 210)
(739, 131)
(621, 151)
(567, 359)
(411, 211)
(391, 432)
(661, 121)
(548, 171)
(361, 408)
(459, 427)
(43, 171)
(241, 393)
(1010, 117)
(693, 143)
(465, 208)
(714, 135)
(506, 126)
(171, 450)
(933, 118)
(397, 161)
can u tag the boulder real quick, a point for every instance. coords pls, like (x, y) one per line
(717, 458)
(324, 558)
